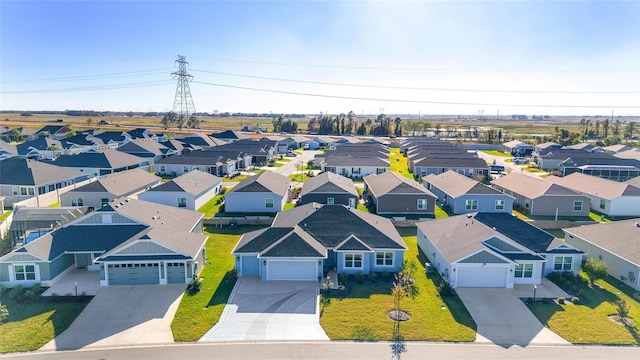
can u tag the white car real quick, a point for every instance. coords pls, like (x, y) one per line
(519, 160)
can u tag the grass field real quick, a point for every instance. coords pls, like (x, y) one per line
(362, 314)
(212, 207)
(496, 153)
(587, 321)
(198, 313)
(399, 163)
(33, 324)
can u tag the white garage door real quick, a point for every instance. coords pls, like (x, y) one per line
(482, 276)
(291, 270)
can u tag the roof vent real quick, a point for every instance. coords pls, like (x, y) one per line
(636, 224)
(494, 228)
(466, 224)
(469, 216)
(153, 217)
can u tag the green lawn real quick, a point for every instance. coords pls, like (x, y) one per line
(588, 322)
(362, 315)
(212, 207)
(597, 217)
(399, 163)
(288, 206)
(441, 214)
(520, 215)
(496, 153)
(31, 325)
(296, 177)
(56, 204)
(5, 215)
(198, 313)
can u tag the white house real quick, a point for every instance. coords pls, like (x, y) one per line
(191, 190)
(262, 193)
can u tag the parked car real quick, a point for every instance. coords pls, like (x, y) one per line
(104, 122)
(519, 160)
(497, 169)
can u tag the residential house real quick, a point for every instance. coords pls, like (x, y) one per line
(493, 250)
(215, 163)
(568, 161)
(307, 242)
(266, 192)
(614, 149)
(40, 148)
(581, 146)
(30, 223)
(53, 131)
(329, 188)
(129, 242)
(142, 133)
(608, 197)
(200, 141)
(21, 178)
(517, 148)
(462, 195)
(635, 181)
(7, 150)
(191, 190)
(177, 146)
(356, 160)
(110, 187)
(546, 147)
(147, 149)
(294, 142)
(628, 154)
(537, 197)
(17, 134)
(260, 151)
(230, 136)
(392, 193)
(434, 156)
(102, 161)
(616, 243)
(113, 138)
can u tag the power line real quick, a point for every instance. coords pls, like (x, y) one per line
(92, 88)
(414, 69)
(93, 77)
(416, 101)
(416, 88)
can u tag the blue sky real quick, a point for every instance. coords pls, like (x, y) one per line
(532, 57)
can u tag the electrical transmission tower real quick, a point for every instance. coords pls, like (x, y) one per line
(183, 102)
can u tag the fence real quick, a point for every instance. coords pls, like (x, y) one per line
(49, 198)
(5, 224)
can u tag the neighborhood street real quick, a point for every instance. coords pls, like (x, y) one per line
(339, 350)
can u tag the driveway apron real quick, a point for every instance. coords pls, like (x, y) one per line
(123, 315)
(274, 310)
(503, 319)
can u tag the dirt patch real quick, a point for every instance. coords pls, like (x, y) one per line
(627, 321)
(398, 315)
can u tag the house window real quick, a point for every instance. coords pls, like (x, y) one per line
(471, 205)
(23, 191)
(24, 272)
(330, 201)
(524, 271)
(42, 190)
(185, 169)
(562, 263)
(384, 259)
(577, 206)
(355, 171)
(499, 204)
(77, 201)
(52, 187)
(353, 261)
(182, 202)
(104, 201)
(602, 204)
(268, 203)
(163, 168)
(352, 202)
(14, 190)
(422, 204)
(527, 203)
(460, 171)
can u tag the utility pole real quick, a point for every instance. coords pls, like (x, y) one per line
(183, 102)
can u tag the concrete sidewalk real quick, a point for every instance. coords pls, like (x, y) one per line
(274, 310)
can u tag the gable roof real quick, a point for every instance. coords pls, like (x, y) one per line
(456, 185)
(103, 158)
(267, 181)
(329, 182)
(531, 187)
(121, 183)
(194, 182)
(144, 146)
(628, 154)
(391, 183)
(157, 215)
(42, 143)
(618, 237)
(522, 232)
(581, 146)
(18, 171)
(188, 244)
(634, 181)
(596, 186)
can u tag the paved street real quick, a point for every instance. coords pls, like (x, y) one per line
(500, 160)
(339, 350)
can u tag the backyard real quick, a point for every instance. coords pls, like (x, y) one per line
(399, 163)
(362, 314)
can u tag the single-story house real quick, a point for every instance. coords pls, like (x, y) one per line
(21, 179)
(110, 187)
(628, 154)
(355, 166)
(146, 148)
(307, 242)
(129, 242)
(329, 188)
(613, 149)
(102, 161)
(464, 195)
(266, 192)
(608, 197)
(54, 131)
(517, 148)
(581, 146)
(392, 193)
(215, 163)
(493, 250)
(190, 191)
(29, 223)
(538, 197)
(616, 243)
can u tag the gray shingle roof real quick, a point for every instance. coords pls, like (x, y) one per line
(531, 187)
(18, 171)
(457, 185)
(619, 237)
(121, 183)
(156, 215)
(596, 186)
(329, 182)
(194, 182)
(392, 183)
(104, 158)
(267, 181)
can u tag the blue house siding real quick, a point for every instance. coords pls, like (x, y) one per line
(56, 266)
(486, 203)
(250, 265)
(253, 202)
(369, 263)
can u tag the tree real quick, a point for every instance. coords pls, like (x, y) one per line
(193, 121)
(89, 121)
(168, 119)
(595, 270)
(398, 294)
(180, 121)
(616, 127)
(622, 310)
(629, 129)
(277, 124)
(397, 130)
(311, 164)
(4, 312)
(605, 128)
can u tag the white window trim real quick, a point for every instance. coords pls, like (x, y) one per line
(502, 203)
(562, 263)
(12, 272)
(581, 205)
(331, 201)
(424, 207)
(384, 259)
(469, 204)
(524, 265)
(273, 203)
(353, 267)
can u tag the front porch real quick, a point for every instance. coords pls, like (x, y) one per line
(82, 280)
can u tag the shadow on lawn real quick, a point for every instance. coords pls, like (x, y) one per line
(222, 293)
(398, 346)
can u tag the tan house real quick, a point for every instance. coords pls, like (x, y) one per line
(538, 197)
(616, 243)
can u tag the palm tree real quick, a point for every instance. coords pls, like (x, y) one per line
(605, 128)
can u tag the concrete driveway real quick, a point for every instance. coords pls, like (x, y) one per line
(123, 315)
(274, 310)
(503, 319)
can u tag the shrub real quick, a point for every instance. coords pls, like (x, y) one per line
(4, 312)
(546, 301)
(359, 278)
(373, 277)
(445, 289)
(17, 293)
(595, 269)
(343, 279)
(581, 294)
(384, 276)
(560, 300)
(622, 309)
(575, 300)
(529, 300)
(195, 286)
